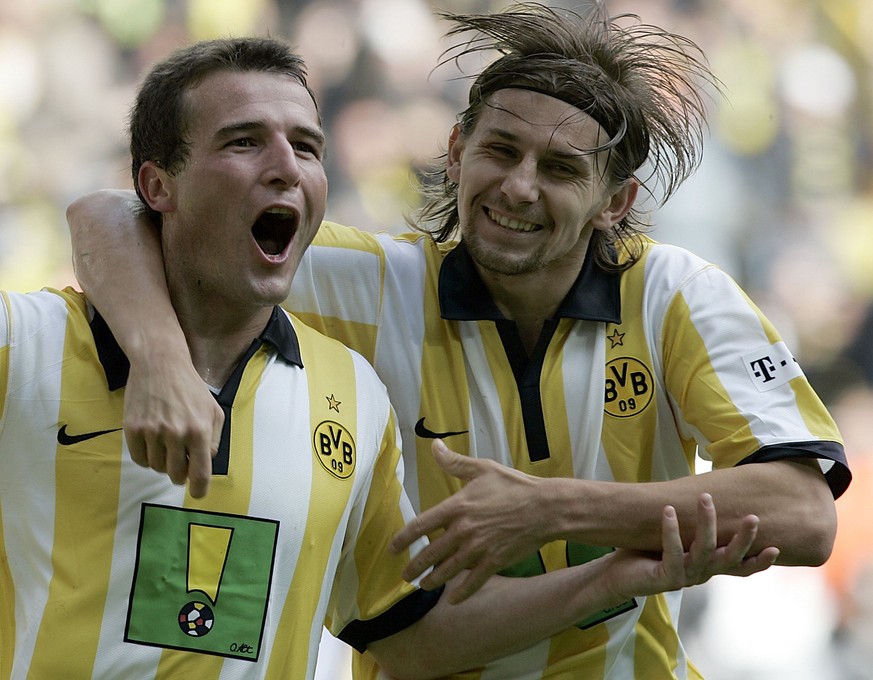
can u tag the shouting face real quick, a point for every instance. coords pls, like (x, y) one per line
(239, 214)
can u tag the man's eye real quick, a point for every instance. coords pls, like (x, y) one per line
(305, 147)
(242, 142)
(562, 170)
(502, 150)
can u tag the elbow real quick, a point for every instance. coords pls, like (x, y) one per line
(822, 536)
(807, 524)
(404, 656)
(78, 209)
(78, 223)
(816, 541)
(85, 209)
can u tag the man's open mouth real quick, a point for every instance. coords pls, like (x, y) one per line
(274, 230)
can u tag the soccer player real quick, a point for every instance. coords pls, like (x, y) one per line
(110, 571)
(574, 364)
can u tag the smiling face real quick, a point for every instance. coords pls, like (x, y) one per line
(239, 214)
(529, 194)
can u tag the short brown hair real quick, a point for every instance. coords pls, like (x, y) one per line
(158, 120)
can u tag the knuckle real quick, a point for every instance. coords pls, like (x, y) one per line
(426, 557)
(140, 459)
(491, 563)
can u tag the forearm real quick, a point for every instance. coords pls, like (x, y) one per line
(118, 262)
(171, 421)
(510, 614)
(792, 500)
(500, 619)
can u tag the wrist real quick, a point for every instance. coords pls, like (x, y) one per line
(596, 588)
(545, 495)
(569, 501)
(615, 589)
(156, 346)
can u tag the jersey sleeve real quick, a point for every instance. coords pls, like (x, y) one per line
(338, 287)
(370, 600)
(738, 387)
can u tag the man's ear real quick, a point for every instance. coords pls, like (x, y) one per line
(453, 156)
(157, 186)
(619, 205)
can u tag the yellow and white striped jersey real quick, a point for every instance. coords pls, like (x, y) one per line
(636, 373)
(108, 570)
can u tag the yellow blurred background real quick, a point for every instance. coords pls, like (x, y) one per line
(783, 201)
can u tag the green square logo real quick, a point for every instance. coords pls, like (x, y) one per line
(201, 581)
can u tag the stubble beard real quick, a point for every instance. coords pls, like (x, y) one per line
(494, 261)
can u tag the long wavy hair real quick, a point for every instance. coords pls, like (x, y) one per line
(645, 86)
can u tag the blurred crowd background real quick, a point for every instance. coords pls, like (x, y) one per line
(783, 201)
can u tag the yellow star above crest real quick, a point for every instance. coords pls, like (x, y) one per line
(616, 338)
(332, 403)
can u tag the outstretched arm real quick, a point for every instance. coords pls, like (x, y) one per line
(503, 515)
(508, 614)
(171, 421)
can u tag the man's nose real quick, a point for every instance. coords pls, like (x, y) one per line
(521, 184)
(283, 165)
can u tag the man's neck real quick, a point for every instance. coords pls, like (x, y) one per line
(529, 300)
(217, 343)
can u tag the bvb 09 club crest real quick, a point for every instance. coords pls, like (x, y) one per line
(629, 387)
(335, 448)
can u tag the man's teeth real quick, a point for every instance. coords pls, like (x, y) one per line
(279, 211)
(513, 224)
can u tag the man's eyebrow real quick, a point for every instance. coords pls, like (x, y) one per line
(313, 133)
(245, 126)
(556, 154)
(502, 133)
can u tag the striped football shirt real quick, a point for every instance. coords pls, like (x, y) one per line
(108, 570)
(636, 374)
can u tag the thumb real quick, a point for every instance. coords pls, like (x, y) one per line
(453, 463)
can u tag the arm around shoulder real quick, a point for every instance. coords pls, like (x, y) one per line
(171, 421)
(118, 262)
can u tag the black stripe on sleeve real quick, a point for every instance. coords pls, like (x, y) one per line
(410, 609)
(837, 473)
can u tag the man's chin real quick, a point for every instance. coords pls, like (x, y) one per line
(267, 295)
(498, 263)
(273, 299)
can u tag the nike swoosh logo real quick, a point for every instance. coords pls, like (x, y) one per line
(424, 433)
(65, 439)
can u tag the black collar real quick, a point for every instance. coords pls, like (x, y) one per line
(278, 332)
(594, 296)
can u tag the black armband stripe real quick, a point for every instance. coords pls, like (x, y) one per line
(410, 609)
(837, 474)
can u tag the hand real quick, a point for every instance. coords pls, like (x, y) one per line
(487, 524)
(172, 422)
(631, 573)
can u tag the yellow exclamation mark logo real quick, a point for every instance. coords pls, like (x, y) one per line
(207, 554)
